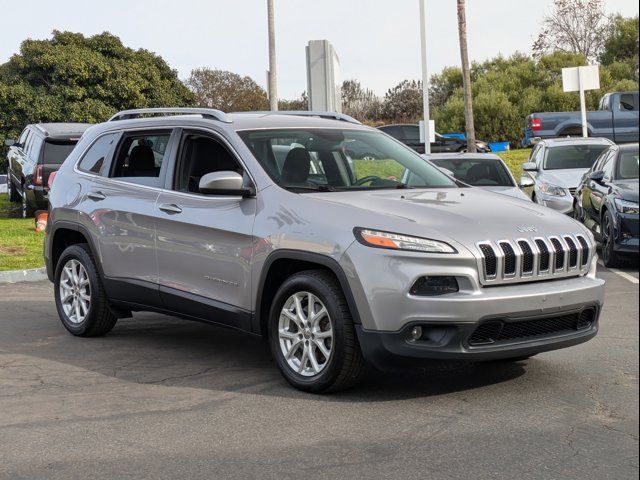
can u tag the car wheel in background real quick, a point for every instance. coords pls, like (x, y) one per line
(80, 297)
(311, 334)
(610, 257)
(578, 212)
(27, 211)
(11, 190)
(369, 157)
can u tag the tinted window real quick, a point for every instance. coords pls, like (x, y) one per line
(199, 155)
(411, 133)
(56, 151)
(315, 159)
(572, 156)
(607, 167)
(95, 157)
(141, 155)
(395, 131)
(477, 172)
(628, 101)
(628, 165)
(35, 147)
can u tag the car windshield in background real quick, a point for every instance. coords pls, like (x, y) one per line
(56, 151)
(319, 160)
(477, 172)
(572, 156)
(628, 165)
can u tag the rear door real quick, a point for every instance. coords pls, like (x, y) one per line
(205, 242)
(123, 200)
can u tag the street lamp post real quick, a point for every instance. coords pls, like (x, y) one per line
(272, 87)
(425, 77)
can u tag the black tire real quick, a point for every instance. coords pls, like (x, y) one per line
(610, 257)
(27, 211)
(99, 319)
(345, 364)
(13, 193)
(578, 213)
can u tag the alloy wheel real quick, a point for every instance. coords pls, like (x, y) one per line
(305, 334)
(75, 291)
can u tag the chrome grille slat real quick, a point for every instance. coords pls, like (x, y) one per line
(530, 259)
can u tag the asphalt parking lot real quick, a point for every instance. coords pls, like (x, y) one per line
(165, 398)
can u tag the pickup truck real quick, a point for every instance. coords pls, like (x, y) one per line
(615, 119)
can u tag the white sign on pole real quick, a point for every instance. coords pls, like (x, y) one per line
(432, 132)
(579, 79)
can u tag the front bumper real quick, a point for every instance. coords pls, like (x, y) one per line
(628, 233)
(559, 204)
(451, 341)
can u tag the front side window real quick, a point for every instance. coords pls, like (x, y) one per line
(628, 165)
(201, 154)
(141, 155)
(23, 137)
(95, 157)
(629, 102)
(477, 172)
(318, 160)
(572, 156)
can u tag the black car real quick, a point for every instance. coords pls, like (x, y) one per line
(606, 201)
(40, 150)
(409, 134)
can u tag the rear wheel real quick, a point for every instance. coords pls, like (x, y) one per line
(27, 211)
(610, 257)
(80, 297)
(311, 334)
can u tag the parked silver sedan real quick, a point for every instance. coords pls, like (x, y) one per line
(557, 165)
(482, 170)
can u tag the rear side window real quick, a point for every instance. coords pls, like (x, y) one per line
(56, 151)
(629, 102)
(94, 159)
(141, 155)
(35, 147)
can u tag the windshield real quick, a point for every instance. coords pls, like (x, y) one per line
(572, 156)
(56, 151)
(628, 165)
(479, 172)
(321, 160)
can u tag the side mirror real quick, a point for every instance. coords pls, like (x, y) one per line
(10, 142)
(530, 167)
(223, 183)
(597, 176)
(446, 171)
(535, 140)
(526, 181)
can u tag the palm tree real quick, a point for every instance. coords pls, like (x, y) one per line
(466, 77)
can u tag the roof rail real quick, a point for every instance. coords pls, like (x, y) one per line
(205, 112)
(311, 113)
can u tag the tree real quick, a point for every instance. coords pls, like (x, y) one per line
(621, 43)
(226, 91)
(403, 103)
(70, 77)
(576, 26)
(359, 102)
(301, 103)
(466, 78)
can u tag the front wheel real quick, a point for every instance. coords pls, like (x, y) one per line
(80, 297)
(311, 334)
(11, 188)
(610, 257)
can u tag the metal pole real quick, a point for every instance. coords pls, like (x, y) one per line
(583, 105)
(273, 88)
(425, 76)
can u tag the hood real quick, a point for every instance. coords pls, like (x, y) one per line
(461, 215)
(569, 178)
(627, 189)
(514, 192)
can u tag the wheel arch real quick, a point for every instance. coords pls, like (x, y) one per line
(64, 234)
(279, 266)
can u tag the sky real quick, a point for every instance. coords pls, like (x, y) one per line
(378, 41)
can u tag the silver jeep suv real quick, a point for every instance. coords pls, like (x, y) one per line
(263, 222)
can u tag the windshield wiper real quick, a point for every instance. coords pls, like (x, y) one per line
(319, 188)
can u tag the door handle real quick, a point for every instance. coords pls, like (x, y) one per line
(97, 196)
(170, 208)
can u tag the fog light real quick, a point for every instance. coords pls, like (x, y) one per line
(432, 286)
(416, 333)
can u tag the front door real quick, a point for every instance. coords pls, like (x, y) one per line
(205, 242)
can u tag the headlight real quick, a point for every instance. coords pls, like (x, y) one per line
(397, 241)
(625, 206)
(553, 190)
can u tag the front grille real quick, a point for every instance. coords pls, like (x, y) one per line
(509, 258)
(531, 259)
(503, 331)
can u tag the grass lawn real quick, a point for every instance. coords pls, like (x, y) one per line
(20, 245)
(514, 160)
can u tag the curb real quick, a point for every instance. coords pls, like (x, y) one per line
(30, 275)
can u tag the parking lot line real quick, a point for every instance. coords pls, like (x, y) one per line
(620, 273)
